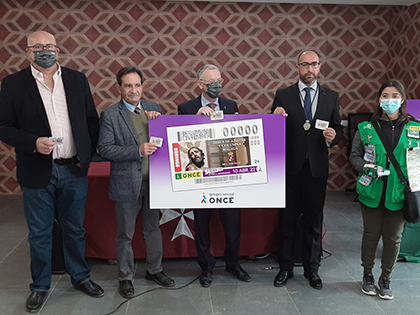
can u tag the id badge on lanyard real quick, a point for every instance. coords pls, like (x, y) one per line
(370, 153)
(369, 156)
(365, 180)
(413, 132)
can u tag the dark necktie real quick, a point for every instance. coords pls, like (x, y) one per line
(137, 110)
(212, 106)
(307, 104)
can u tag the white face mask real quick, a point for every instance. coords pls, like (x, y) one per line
(390, 105)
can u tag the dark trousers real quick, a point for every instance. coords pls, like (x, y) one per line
(379, 222)
(305, 198)
(231, 220)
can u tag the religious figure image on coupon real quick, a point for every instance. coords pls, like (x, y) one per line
(219, 154)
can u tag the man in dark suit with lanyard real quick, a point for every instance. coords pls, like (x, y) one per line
(48, 115)
(209, 80)
(313, 125)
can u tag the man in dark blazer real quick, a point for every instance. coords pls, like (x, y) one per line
(48, 115)
(209, 80)
(313, 125)
(124, 140)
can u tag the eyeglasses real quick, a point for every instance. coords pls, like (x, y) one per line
(305, 65)
(212, 81)
(39, 47)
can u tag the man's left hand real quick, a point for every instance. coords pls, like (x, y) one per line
(329, 134)
(152, 114)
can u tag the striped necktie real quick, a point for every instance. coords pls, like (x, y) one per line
(212, 106)
(137, 110)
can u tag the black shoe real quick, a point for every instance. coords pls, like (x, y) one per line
(35, 300)
(90, 288)
(281, 278)
(126, 289)
(239, 273)
(161, 279)
(206, 278)
(314, 280)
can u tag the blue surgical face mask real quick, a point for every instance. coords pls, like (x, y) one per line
(390, 105)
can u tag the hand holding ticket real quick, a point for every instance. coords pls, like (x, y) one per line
(57, 140)
(44, 145)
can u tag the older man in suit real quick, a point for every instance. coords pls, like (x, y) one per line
(124, 140)
(313, 125)
(209, 80)
(47, 114)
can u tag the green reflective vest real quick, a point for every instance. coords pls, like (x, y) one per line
(394, 194)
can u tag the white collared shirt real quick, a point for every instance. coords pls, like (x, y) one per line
(55, 105)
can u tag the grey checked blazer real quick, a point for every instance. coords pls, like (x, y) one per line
(119, 143)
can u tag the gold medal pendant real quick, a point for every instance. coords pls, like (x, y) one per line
(306, 125)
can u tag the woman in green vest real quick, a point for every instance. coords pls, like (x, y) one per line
(381, 192)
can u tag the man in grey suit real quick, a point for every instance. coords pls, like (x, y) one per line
(123, 139)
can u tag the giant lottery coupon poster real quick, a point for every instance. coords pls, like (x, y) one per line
(413, 156)
(235, 162)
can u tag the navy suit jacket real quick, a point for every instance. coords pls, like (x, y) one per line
(191, 107)
(23, 119)
(301, 144)
(119, 143)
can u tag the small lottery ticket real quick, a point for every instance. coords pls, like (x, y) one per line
(57, 140)
(321, 124)
(157, 140)
(217, 115)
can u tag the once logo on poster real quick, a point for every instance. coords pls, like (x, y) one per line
(219, 198)
(188, 175)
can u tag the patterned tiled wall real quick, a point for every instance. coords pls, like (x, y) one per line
(254, 44)
(405, 48)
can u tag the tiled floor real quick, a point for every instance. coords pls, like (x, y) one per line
(341, 274)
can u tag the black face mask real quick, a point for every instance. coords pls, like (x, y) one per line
(214, 89)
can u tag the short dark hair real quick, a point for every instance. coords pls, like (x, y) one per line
(127, 70)
(400, 87)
